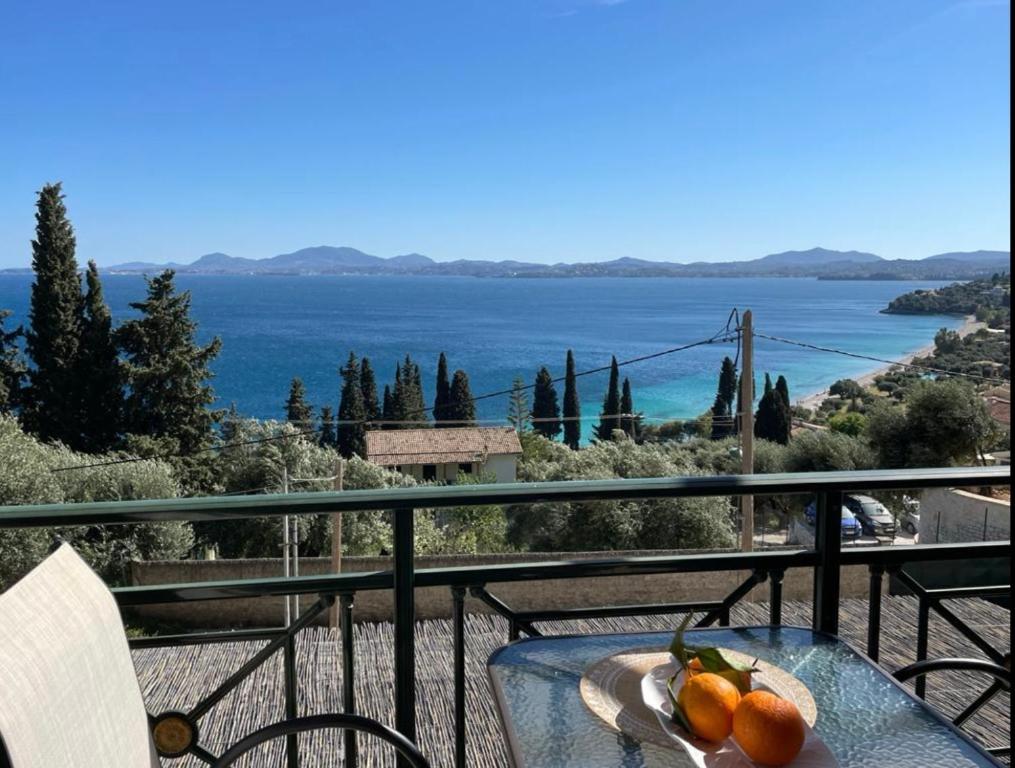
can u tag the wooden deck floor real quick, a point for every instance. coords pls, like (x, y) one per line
(176, 678)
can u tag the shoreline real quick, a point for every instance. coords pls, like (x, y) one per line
(814, 400)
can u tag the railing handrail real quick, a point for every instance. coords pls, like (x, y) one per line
(264, 505)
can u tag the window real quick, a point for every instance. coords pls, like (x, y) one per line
(465, 469)
(429, 471)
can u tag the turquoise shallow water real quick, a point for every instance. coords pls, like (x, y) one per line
(274, 328)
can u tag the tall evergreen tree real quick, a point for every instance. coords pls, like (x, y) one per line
(772, 421)
(230, 424)
(368, 386)
(54, 396)
(728, 383)
(326, 435)
(397, 410)
(782, 387)
(100, 371)
(409, 406)
(461, 408)
(630, 422)
(545, 410)
(12, 369)
(297, 410)
(572, 406)
(350, 434)
(167, 375)
(609, 417)
(387, 409)
(443, 397)
(785, 413)
(518, 407)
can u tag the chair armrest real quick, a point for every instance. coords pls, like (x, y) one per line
(402, 745)
(999, 673)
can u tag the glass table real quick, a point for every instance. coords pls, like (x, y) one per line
(864, 716)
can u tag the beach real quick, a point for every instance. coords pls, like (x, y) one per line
(813, 401)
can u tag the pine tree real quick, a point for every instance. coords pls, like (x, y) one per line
(297, 410)
(443, 397)
(12, 369)
(630, 422)
(100, 372)
(368, 386)
(461, 408)
(518, 407)
(54, 395)
(230, 424)
(350, 434)
(388, 409)
(326, 436)
(167, 377)
(609, 417)
(545, 410)
(572, 406)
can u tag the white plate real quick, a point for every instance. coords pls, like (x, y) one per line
(725, 754)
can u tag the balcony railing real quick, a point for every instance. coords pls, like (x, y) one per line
(825, 560)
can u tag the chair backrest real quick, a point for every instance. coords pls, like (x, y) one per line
(69, 694)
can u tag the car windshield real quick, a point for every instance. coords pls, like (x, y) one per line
(846, 514)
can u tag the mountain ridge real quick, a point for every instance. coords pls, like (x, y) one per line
(815, 262)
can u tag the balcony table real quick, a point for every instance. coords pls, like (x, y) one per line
(864, 716)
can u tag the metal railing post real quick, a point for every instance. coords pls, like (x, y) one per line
(348, 678)
(292, 751)
(922, 632)
(828, 543)
(405, 625)
(775, 577)
(874, 611)
(458, 611)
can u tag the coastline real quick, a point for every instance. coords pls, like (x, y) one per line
(813, 400)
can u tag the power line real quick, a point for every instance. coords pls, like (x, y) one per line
(722, 336)
(900, 363)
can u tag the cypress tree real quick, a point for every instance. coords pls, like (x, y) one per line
(782, 387)
(609, 417)
(630, 422)
(387, 409)
(461, 409)
(167, 377)
(397, 410)
(351, 430)
(728, 383)
(297, 410)
(545, 410)
(12, 369)
(54, 396)
(368, 386)
(726, 396)
(572, 406)
(518, 407)
(772, 421)
(443, 397)
(101, 375)
(721, 424)
(326, 436)
(409, 404)
(786, 412)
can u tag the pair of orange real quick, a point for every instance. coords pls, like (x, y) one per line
(768, 728)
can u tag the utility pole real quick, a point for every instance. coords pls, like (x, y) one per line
(747, 428)
(336, 541)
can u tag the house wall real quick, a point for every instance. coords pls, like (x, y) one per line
(436, 602)
(950, 515)
(503, 467)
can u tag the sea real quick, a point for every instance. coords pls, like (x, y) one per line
(274, 328)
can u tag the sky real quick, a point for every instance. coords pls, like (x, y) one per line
(540, 130)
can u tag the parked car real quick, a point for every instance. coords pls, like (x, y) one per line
(874, 516)
(851, 528)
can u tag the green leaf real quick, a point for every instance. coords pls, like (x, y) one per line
(677, 645)
(678, 713)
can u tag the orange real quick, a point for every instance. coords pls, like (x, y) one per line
(708, 702)
(768, 728)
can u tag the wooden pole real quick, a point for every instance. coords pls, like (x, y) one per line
(747, 428)
(336, 542)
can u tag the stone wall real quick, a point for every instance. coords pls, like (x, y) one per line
(436, 602)
(948, 515)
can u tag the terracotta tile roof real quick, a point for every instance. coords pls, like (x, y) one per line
(442, 445)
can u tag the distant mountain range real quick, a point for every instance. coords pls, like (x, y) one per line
(816, 262)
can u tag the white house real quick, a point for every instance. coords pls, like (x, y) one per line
(441, 453)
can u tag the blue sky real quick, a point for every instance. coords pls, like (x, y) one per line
(543, 130)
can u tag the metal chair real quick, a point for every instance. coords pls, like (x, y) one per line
(70, 696)
(1001, 675)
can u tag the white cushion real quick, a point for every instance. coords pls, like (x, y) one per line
(69, 696)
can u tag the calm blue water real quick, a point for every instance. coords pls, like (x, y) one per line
(274, 328)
